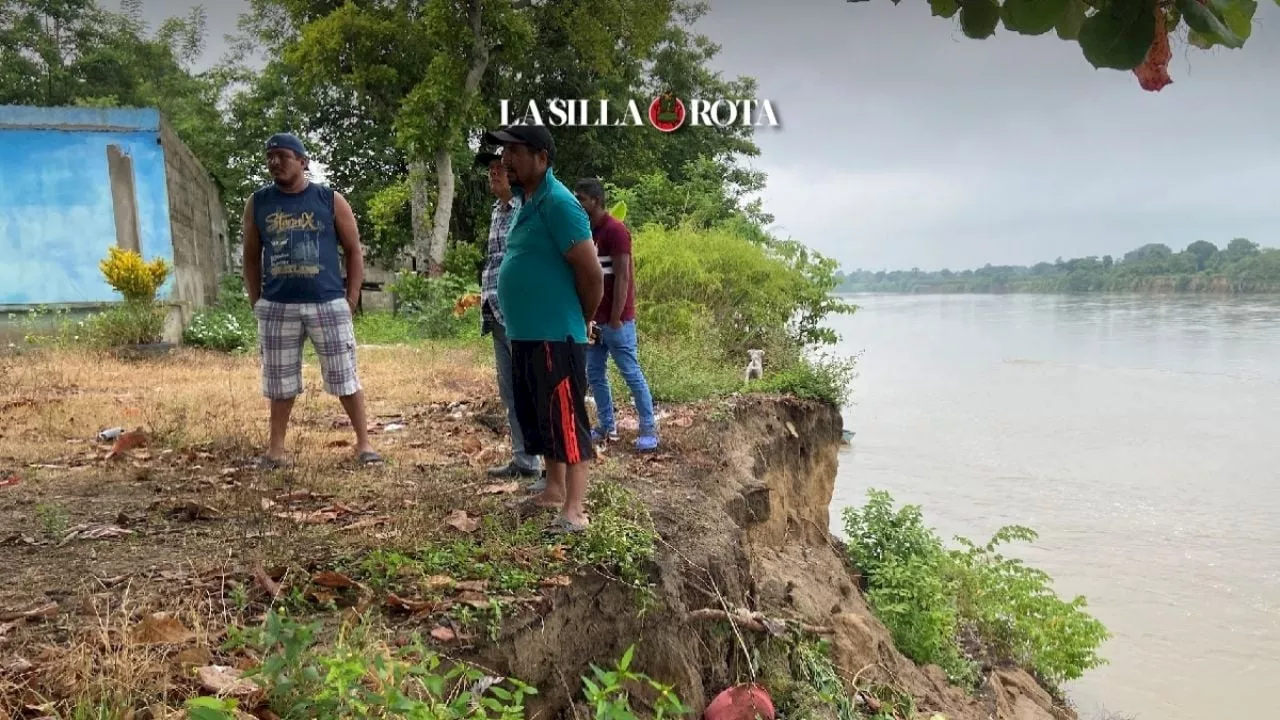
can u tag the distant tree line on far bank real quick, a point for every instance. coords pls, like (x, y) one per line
(1240, 267)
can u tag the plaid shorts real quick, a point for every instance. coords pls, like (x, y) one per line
(282, 328)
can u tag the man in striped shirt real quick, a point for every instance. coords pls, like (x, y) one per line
(505, 208)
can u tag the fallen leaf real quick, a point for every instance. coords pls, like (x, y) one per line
(438, 581)
(47, 610)
(294, 496)
(338, 443)
(95, 531)
(472, 445)
(417, 444)
(682, 422)
(791, 428)
(225, 681)
(16, 666)
(10, 479)
(128, 441)
(443, 634)
(308, 518)
(503, 489)
(367, 523)
(228, 472)
(473, 586)
(332, 579)
(265, 582)
(192, 510)
(557, 581)
(412, 606)
(559, 553)
(474, 599)
(192, 658)
(160, 629)
(267, 503)
(6, 627)
(338, 509)
(462, 522)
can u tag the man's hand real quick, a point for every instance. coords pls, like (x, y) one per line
(352, 303)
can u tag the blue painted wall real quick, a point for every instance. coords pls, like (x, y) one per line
(56, 216)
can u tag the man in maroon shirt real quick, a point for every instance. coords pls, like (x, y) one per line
(615, 322)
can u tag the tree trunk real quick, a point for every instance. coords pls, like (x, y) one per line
(443, 159)
(444, 208)
(418, 209)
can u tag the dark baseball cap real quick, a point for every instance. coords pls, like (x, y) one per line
(537, 137)
(287, 141)
(485, 159)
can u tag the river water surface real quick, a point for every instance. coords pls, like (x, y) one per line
(1136, 435)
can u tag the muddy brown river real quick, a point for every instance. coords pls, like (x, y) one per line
(1135, 434)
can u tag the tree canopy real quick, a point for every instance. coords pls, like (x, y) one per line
(1131, 35)
(1241, 266)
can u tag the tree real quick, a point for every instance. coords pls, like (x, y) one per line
(1132, 35)
(1239, 249)
(72, 52)
(1203, 251)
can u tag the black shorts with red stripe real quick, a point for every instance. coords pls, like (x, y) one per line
(549, 382)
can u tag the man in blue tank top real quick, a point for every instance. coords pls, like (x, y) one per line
(292, 229)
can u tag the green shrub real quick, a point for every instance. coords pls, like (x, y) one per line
(129, 323)
(229, 324)
(358, 676)
(429, 303)
(464, 260)
(819, 377)
(928, 596)
(706, 296)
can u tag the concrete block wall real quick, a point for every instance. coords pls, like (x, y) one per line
(198, 224)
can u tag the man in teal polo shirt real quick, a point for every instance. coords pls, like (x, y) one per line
(549, 286)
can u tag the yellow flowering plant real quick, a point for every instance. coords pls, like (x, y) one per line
(139, 320)
(133, 277)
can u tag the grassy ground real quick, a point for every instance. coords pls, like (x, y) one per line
(125, 573)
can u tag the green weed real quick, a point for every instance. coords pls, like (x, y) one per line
(928, 595)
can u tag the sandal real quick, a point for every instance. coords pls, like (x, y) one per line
(369, 457)
(563, 526)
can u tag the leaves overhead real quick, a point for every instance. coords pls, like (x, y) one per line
(1114, 34)
(1119, 36)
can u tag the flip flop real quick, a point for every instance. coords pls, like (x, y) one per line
(369, 457)
(563, 526)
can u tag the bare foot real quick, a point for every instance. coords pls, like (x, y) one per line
(545, 499)
(578, 519)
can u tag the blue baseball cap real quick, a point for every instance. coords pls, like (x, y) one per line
(288, 141)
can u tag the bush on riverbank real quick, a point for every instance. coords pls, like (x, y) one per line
(704, 297)
(967, 607)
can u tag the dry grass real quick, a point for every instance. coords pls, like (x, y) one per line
(194, 532)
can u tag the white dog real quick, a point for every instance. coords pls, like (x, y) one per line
(755, 368)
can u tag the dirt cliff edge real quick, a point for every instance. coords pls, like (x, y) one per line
(743, 527)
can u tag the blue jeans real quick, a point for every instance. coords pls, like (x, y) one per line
(502, 358)
(621, 344)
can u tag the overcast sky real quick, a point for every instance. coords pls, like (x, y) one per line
(903, 144)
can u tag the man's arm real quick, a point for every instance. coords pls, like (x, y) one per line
(588, 277)
(349, 235)
(252, 254)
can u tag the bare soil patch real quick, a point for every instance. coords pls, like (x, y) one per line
(127, 560)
